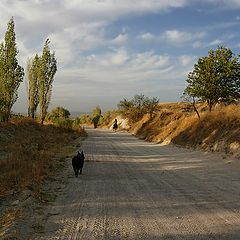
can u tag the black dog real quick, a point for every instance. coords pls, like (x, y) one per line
(77, 163)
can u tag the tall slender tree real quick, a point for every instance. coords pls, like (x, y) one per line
(33, 95)
(2, 88)
(47, 71)
(11, 73)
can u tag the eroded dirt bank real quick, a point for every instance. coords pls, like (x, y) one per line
(131, 189)
(177, 123)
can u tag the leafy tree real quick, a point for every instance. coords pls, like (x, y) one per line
(215, 77)
(85, 118)
(139, 102)
(47, 71)
(60, 112)
(96, 115)
(151, 105)
(2, 85)
(139, 105)
(133, 109)
(11, 73)
(96, 111)
(125, 106)
(33, 68)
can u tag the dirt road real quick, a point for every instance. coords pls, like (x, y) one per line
(135, 190)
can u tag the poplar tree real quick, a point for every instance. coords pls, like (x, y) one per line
(47, 71)
(11, 73)
(33, 67)
(2, 89)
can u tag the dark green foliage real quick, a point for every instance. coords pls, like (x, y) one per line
(60, 113)
(96, 115)
(63, 123)
(215, 77)
(41, 72)
(60, 118)
(95, 120)
(33, 68)
(11, 73)
(47, 71)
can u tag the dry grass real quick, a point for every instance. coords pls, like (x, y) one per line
(28, 152)
(218, 130)
(6, 221)
(177, 122)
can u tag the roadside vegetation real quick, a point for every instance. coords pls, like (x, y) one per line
(30, 148)
(215, 79)
(177, 123)
(209, 116)
(29, 152)
(135, 108)
(40, 74)
(97, 118)
(60, 117)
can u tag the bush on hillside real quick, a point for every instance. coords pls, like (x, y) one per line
(85, 119)
(108, 117)
(137, 107)
(59, 113)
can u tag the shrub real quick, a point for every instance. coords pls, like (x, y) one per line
(137, 107)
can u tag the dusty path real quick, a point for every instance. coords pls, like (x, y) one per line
(135, 190)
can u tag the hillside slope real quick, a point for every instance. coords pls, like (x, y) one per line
(177, 123)
(28, 150)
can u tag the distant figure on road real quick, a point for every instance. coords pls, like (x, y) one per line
(115, 125)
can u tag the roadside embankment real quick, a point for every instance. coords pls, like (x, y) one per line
(33, 159)
(29, 152)
(177, 123)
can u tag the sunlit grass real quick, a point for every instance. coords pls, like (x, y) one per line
(218, 130)
(28, 152)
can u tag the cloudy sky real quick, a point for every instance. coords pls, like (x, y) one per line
(108, 50)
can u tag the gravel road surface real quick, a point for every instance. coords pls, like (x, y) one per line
(131, 189)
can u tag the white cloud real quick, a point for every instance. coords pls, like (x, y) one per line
(150, 60)
(147, 36)
(229, 4)
(216, 42)
(173, 37)
(119, 58)
(119, 70)
(213, 43)
(187, 60)
(176, 36)
(83, 21)
(121, 38)
(118, 73)
(197, 44)
(93, 61)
